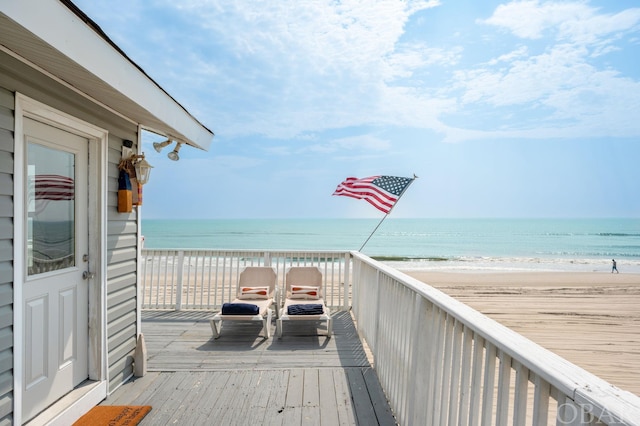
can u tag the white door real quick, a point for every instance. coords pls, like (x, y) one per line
(55, 293)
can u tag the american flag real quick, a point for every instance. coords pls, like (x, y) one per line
(54, 187)
(382, 192)
(47, 188)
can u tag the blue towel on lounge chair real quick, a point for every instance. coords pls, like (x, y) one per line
(305, 309)
(240, 309)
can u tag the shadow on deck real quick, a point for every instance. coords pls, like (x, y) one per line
(242, 378)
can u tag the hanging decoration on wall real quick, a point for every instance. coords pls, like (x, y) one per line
(134, 172)
(125, 197)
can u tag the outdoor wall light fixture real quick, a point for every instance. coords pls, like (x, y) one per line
(159, 145)
(173, 155)
(136, 167)
(133, 172)
(143, 169)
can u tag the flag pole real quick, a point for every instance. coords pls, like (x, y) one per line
(370, 235)
(385, 216)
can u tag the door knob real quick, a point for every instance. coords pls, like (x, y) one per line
(86, 275)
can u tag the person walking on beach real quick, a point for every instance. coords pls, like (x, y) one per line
(614, 266)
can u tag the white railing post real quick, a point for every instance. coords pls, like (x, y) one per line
(142, 291)
(179, 280)
(540, 402)
(376, 327)
(347, 283)
(520, 395)
(415, 397)
(489, 384)
(504, 382)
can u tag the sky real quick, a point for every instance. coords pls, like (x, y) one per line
(501, 108)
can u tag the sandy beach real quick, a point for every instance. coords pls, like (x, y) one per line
(592, 318)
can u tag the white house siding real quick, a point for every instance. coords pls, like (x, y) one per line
(121, 241)
(6, 256)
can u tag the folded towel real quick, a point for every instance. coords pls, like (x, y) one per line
(306, 309)
(240, 309)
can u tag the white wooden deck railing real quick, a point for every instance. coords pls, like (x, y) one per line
(205, 279)
(443, 363)
(439, 361)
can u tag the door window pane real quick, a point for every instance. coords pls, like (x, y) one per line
(50, 209)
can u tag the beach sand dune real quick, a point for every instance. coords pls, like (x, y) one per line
(591, 319)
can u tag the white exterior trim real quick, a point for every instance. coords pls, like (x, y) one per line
(139, 245)
(98, 138)
(64, 83)
(77, 41)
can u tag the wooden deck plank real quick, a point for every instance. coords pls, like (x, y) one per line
(174, 407)
(268, 382)
(293, 400)
(206, 409)
(310, 398)
(310, 416)
(238, 401)
(194, 407)
(277, 398)
(189, 410)
(295, 388)
(174, 399)
(258, 402)
(292, 416)
(133, 389)
(327, 396)
(344, 402)
(311, 391)
(242, 378)
(378, 399)
(150, 391)
(365, 414)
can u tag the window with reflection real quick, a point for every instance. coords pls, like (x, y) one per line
(50, 209)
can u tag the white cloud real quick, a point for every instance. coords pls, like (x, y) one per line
(561, 84)
(520, 52)
(408, 58)
(288, 69)
(574, 22)
(530, 19)
(324, 34)
(526, 80)
(364, 143)
(600, 28)
(301, 59)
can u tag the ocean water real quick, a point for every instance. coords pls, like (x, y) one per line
(460, 245)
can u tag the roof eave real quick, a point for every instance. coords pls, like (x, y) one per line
(101, 70)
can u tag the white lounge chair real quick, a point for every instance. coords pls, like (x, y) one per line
(256, 288)
(303, 292)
